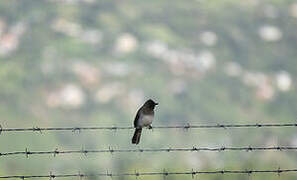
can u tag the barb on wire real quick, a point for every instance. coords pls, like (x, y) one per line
(164, 173)
(27, 153)
(37, 129)
(111, 150)
(85, 152)
(193, 173)
(80, 175)
(55, 152)
(115, 128)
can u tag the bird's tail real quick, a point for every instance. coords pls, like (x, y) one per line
(136, 136)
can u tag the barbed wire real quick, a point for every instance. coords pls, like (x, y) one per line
(164, 173)
(111, 150)
(187, 126)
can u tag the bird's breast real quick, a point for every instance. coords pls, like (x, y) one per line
(146, 120)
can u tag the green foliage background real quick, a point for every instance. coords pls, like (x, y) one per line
(210, 98)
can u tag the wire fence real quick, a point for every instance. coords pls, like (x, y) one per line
(111, 150)
(164, 173)
(187, 126)
(192, 173)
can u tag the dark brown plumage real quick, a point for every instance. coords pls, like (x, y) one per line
(144, 118)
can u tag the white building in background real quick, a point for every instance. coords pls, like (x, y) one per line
(182, 61)
(283, 81)
(10, 37)
(262, 84)
(72, 96)
(8, 43)
(69, 96)
(205, 61)
(126, 43)
(270, 33)
(254, 79)
(156, 49)
(265, 91)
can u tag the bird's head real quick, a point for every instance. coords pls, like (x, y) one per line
(150, 103)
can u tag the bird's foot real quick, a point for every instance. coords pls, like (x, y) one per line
(150, 127)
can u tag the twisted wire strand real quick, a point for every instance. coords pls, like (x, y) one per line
(164, 173)
(111, 150)
(187, 126)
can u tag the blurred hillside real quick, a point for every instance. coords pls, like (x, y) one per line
(93, 63)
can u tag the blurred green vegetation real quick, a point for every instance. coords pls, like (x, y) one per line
(100, 49)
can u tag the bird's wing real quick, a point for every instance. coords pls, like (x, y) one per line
(136, 119)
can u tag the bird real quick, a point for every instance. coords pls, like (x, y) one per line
(144, 118)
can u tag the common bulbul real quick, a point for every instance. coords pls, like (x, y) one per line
(143, 118)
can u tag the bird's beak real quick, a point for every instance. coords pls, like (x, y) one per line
(156, 103)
